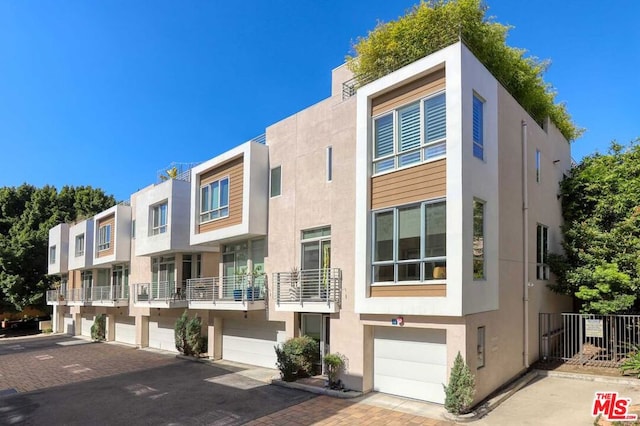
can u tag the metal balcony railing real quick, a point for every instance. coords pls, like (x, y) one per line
(161, 291)
(55, 296)
(79, 294)
(109, 293)
(239, 288)
(309, 285)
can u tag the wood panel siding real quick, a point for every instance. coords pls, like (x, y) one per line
(234, 169)
(410, 185)
(419, 290)
(410, 92)
(109, 220)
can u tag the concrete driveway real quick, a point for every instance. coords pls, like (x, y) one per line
(557, 401)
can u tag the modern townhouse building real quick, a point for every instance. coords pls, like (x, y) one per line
(398, 224)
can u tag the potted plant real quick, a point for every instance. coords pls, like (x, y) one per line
(239, 278)
(334, 366)
(253, 289)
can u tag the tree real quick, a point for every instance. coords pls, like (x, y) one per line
(435, 24)
(26, 215)
(462, 387)
(600, 265)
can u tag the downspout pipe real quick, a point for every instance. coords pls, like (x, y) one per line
(525, 246)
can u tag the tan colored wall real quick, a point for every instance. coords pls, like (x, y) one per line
(210, 264)
(109, 220)
(233, 169)
(410, 92)
(410, 185)
(298, 144)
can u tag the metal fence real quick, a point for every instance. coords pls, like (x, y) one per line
(588, 339)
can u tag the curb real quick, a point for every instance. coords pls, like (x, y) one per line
(317, 390)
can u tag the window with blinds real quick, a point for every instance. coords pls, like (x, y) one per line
(478, 142)
(410, 135)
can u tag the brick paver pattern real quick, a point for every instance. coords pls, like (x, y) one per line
(327, 411)
(28, 370)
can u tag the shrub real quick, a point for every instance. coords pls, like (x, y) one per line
(188, 338)
(193, 336)
(180, 333)
(462, 387)
(632, 363)
(297, 357)
(334, 365)
(98, 329)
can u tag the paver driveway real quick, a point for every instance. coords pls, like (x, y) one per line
(62, 380)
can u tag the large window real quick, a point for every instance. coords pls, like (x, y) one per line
(79, 245)
(410, 135)
(478, 240)
(542, 251)
(159, 219)
(214, 200)
(276, 181)
(104, 237)
(52, 255)
(316, 249)
(478, 127)
(409, 243)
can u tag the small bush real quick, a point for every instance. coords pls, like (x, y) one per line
(334, 365)
(286, 364)
(632, 363)
(297, 357)
(180, 333)
(98, 329)
(462, 387)
(47, 330)
(188, 338)
(193, 337)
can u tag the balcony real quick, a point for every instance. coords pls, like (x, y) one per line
(236, 292)
(78, 296)
(163, 294)
(109, 296)
(310, 290)
(56, 297)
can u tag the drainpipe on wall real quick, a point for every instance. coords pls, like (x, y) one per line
(525, 248)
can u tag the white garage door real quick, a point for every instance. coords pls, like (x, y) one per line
(251, 342)
(87, 322)
(410, 362)
(161, 334)
(126, 329)
(68, 325)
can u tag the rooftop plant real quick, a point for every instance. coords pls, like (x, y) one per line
(435, 24)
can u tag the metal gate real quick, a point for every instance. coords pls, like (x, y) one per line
(588, 339)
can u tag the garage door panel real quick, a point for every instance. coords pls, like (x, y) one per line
(410, 362)
(251, 342)
(68, 325)
(425, 353)
(162, 336)
(432, 392)
(125, 328)
(87, 322)
(410, 370)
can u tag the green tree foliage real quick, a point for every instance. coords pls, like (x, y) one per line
(26, 215)
(432, 25)
(99, 328)
(462, 387)
(601, 208)
(297, 357)
(187, 334)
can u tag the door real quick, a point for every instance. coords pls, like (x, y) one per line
(410, 362)
(125, 329)
(162, 334)
(163, 277)
(87, 322)
(68, 325)
(316, 326)
(316, 260)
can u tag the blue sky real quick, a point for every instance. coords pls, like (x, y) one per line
(107, 93)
